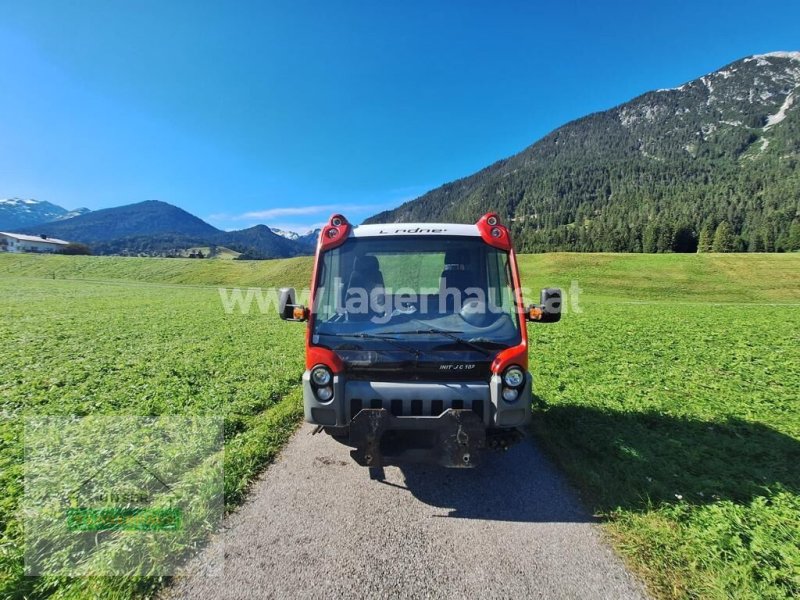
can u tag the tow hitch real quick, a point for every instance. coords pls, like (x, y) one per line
(453, 439)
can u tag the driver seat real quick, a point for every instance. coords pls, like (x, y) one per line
(456, 277)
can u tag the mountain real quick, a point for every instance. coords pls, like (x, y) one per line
(666, 166)
(289, 235)
(153, 227)
(133, 220)
(261, 242)
(16, 213)
(307, 239)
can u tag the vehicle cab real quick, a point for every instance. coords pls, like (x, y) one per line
(416, 341)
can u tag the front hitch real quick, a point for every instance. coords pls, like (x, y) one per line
(452, 439)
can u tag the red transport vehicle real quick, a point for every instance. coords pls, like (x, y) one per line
(416, 341)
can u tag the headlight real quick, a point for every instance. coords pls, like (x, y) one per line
(514, 377)
(510, 394)
(320, 376)
(325, 393)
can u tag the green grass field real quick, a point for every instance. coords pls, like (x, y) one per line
(670, 398)
(122, 347)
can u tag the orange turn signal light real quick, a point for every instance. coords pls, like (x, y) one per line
(535, 313)
(299, 313)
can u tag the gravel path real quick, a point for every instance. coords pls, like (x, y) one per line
(316, 526)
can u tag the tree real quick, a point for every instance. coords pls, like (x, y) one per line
(704, 243)
(756, 243)
(793, 244)
(650, 238)
(665, 238)
(769, 240)
(723, 239)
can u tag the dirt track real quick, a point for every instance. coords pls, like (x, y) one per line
(316, 526)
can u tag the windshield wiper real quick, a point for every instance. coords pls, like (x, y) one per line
(451, 334)
(374, 336)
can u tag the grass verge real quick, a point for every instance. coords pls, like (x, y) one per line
(681, 425)
(88, 348)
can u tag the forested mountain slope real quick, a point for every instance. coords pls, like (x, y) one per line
(653, 173)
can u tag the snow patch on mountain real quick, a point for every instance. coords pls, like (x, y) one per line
(20, 203)
(794, 55)
(289, 235)
(16, 213)
(74, 213)
(680, 88)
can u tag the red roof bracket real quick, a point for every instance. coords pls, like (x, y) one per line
(493, 233)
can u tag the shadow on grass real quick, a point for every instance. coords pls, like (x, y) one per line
(633, 460)
(618, 460)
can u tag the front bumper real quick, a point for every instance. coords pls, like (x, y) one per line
(414, 400)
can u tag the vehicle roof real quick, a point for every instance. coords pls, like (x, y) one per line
(415, 229)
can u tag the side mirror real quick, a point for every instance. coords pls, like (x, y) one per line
(549, 308)
(287, 309)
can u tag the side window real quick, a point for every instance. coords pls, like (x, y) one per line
(328, 291)
(500, 280)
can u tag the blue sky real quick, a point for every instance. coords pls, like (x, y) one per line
(282, 112)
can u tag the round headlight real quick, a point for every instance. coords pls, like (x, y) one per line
(496, 232)
(510, 394)
(325, 393)
(492, 221)
(514, 377)
(333, 232)
(320, 376)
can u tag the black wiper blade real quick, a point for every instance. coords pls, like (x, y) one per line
(451, 334)
(489, 342)
(374, 336)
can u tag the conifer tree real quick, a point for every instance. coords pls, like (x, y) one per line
(704, 243)
(650, 238)
(665, 238)
(723, 238)
(793, 243)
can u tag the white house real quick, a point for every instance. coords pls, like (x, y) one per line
(19, 242)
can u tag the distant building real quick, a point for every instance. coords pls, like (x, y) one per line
(18, 242)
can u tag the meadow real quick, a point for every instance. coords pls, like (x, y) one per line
(110, 346)
(669, 396)
(672, 402)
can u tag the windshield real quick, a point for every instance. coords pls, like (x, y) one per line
(416, 294)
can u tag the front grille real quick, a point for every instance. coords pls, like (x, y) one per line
(417, 407)
(417, 399)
